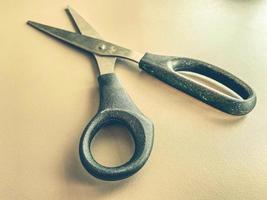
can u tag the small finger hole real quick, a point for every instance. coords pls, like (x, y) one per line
(113, 145)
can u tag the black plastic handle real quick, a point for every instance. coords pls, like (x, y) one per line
(116, 106)
(165, 68)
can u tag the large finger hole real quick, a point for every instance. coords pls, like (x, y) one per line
(210, 83)
(113, 145)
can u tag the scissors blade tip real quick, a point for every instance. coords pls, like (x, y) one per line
(81, 24)
(34, 24)
(74, 39)
(55, 32)
(29, 22)
(69, 8)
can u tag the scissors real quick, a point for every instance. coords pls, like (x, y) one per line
(117, 107)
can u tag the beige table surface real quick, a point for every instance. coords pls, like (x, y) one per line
(49, 92)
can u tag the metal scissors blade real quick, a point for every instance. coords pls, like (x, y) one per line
(83, 26)
(89, 44)
(105, 64)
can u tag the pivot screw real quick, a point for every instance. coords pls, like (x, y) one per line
(102, 47)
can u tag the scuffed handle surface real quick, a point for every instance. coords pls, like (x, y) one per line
(117, 107)
(166, 68)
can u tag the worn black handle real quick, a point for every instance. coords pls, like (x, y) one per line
(117, 107)
(165, 68)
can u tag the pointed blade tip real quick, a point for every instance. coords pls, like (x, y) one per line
(36, 25)
(69, 8)
(32, 23)
(29, 22)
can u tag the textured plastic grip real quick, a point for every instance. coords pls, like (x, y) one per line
(116, 106)
(165, 68)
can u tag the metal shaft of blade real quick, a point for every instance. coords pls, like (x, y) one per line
(93, 45)
(105, 64)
